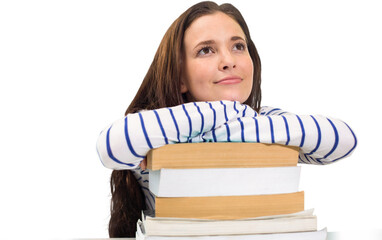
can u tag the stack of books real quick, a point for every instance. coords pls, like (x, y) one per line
(226, 191)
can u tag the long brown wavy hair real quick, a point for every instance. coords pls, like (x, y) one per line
(161, 88)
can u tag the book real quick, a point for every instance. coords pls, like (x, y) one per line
(296, 222)
(223, 181)
(308, 235)
(227, 191)
(229, 207)
(222, 155)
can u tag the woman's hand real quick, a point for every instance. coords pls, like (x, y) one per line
(143, 164)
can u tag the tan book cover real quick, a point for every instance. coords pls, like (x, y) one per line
(222, 155)
(229, 207)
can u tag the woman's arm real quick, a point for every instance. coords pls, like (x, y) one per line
(126, 142)
(321, 140)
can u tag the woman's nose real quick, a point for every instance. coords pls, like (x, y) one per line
(227, 61)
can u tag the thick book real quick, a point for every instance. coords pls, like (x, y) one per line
(223, 181)
(308, 235)
(222, 155)
(297, 222)
(229, 207)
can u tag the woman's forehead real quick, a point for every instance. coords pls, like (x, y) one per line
(216, 27)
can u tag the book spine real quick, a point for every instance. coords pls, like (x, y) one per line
(223, 181)
(229, 207)
(222, 155)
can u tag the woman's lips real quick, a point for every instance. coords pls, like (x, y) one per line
(229, 80)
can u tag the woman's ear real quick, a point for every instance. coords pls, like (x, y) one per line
(183, 86)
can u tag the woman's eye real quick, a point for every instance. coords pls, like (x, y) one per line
(205, 50)
(239, 47)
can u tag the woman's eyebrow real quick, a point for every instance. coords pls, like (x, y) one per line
(210, 42)
(234, 38)
(207, 42)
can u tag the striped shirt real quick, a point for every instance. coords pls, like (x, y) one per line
(125, 143)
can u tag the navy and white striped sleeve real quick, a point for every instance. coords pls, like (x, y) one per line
(127, 141)
(321, 140)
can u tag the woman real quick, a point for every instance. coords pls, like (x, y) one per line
(204, 85)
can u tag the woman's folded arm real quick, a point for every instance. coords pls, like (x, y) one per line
(127, 141)
(321, 140)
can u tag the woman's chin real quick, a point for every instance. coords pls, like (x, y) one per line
(238, 98)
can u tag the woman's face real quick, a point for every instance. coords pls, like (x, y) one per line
(217, 62)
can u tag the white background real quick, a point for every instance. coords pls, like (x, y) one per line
(69, 68)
